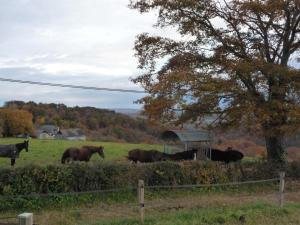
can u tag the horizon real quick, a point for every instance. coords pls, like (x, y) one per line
(69, 106)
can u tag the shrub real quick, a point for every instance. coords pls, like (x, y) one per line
(85, 177)
(78, 177)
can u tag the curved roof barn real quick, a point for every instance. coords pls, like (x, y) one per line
(187, 135)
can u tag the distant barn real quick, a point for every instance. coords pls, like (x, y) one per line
(187, 139)
(72, 134)
(47, 131)
(54, 132)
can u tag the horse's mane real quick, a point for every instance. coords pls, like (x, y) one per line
(92, 148)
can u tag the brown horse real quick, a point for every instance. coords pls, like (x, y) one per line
(81, 154)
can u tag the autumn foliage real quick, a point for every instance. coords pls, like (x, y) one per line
(15, 121)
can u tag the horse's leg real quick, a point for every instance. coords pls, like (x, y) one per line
(12, 161)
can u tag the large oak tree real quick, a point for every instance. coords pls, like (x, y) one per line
(233, 60)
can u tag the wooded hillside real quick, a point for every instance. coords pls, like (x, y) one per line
(100, 124)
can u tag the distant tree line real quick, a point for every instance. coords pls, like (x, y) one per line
(18, 117)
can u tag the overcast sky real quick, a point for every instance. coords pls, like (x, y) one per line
(80, 42)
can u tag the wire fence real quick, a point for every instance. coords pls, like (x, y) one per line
(132, 188)
(44, 195)
(144, 198)
(210, 185)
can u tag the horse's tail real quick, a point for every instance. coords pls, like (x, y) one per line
(64, 156)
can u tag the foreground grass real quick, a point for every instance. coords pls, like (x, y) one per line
(195, 208)
(43, 152)
(256, 214)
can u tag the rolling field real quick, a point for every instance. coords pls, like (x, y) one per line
(42, 152)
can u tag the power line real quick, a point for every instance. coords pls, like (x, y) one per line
(71, 86)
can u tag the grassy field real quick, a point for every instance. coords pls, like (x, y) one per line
(43, 152)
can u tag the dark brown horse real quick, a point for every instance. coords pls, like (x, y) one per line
(13, 151)
(139, 155)
(81, 154)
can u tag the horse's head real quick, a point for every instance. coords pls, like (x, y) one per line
(100, 151)
(26, 144)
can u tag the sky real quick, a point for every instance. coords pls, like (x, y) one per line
(79, 42)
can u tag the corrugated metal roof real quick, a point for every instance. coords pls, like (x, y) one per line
(187, 135)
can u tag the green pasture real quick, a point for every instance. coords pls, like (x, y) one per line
(43, 152)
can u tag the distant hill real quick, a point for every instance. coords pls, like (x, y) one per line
(98, 124)
(130, 112)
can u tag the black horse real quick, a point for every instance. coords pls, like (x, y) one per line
(12, 151)
(224, 156)
(186, 155)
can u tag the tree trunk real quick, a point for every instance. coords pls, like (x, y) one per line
(275, 148)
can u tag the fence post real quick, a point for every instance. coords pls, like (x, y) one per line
(25, 219)
(141, 192)
(281, 188)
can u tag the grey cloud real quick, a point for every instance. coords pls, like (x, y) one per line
(84, 42)
(102, 99)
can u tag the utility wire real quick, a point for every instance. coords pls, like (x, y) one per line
(70, 86)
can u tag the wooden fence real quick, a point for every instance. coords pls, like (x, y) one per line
(28, 219)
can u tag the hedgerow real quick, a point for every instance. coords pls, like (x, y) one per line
(81, 177)
(78, 177)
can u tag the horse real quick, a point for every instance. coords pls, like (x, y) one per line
(140, 155)
(12, 151)
(185, 155)
(81, 154)
(224, 156)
